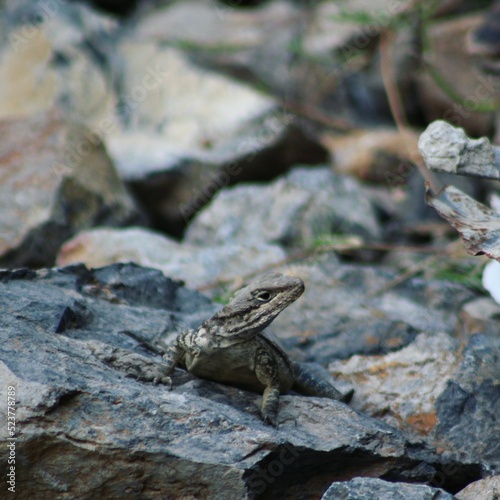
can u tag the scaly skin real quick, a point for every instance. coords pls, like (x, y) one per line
(231, 347)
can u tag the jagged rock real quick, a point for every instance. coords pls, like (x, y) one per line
(147, 101)
(294, 210)
(445, 148)
(350, 309)
(195, 265)
(85, 428)
(369, 488)
(257, 41)
(484, 489)
(51, 56)
(56, 179)
(176, 151)
(436, 387)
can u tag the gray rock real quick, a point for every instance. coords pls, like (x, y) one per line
(484, 489)
(56, 180)
(448, 149)
(86, 429)
(59, 49)
(186, 131)
(255, 41)
(197, 266)
(147, 101)
(294, 210)
(435, 388)
(367, 488)
(349, 309)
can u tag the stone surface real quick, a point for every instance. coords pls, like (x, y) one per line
(175, 130)
(349, 309)
(51, 56)
(445, 148)
(188, 131)
(293, 210)
(86, 429)
(65, 326)
(485, 489)
(253, 41)
(55, 179)
(436, 387)
(375, 489)
(195, 265)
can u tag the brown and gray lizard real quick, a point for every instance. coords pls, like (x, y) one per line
(232, 348)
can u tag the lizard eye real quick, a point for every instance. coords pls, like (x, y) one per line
(263, 296)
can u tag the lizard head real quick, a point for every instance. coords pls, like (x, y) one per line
(252, 308)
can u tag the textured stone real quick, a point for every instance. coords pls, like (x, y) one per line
(485, 489)
(436, 388)
(87, 429)
(55, 179)
(195, 265)
(445, 148)
(375, 489)
(51, 56)
(294, 210)
(350, 309)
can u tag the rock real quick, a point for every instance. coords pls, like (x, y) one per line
(195, 265)
(364, 488)
(348, 309)
(252, 42)
(484, 489)
(335, 27)
(294, 210)
(482, 41)
(435, 387)
(147, 101)
(176, 151)
(51, 56)
(481, 315)
(56, 179)
(60, 331)
(477, 224)
(445, 148)
(447, 55)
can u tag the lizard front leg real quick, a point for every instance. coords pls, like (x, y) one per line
(266, 371)
(173, 354)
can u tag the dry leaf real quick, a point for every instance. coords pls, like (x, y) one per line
(478, 225)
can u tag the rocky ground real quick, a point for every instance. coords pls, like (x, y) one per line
(157, 155)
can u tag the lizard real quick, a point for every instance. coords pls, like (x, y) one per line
(232, 347)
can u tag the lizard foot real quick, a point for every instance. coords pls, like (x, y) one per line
(270, 419)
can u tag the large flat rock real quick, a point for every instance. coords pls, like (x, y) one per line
(85, 429)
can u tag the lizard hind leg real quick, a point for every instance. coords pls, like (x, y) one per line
(314, 380)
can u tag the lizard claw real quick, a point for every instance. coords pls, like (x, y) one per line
(163, 380)
(269, 420)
